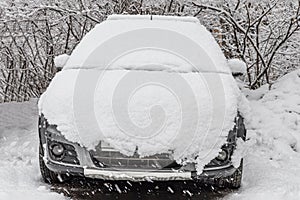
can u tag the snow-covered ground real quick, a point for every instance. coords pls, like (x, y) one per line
(19, 170)
(272, 165)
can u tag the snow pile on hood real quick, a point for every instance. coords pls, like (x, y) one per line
(272, 167)
(151, 117)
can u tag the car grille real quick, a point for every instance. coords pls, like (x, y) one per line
(109, 157)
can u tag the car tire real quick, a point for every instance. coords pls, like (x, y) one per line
(48, 175)
(234, 181)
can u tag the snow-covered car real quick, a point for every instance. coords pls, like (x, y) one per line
(169, 50)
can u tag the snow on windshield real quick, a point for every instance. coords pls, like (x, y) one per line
(114, 38)
(152, 60)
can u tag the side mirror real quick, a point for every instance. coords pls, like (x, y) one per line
(237, 67)
(60, 61)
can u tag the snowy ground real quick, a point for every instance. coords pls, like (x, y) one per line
(19, 172)
(272, 165)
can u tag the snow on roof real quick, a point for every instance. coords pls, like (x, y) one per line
(153, 17)
(121, 34)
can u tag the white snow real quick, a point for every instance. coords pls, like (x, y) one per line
(114, 38)
(161, 117)
(61, 60)
(19, 169)
(272, 165)
(237, 66)
(152, 60)
(126, 80)
(153, 17)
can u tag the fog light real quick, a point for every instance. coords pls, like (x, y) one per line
(222, 155)
(57, 149)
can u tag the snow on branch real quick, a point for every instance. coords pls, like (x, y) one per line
(260, 30)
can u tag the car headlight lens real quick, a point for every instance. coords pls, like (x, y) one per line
(222, 155)
(57, 149)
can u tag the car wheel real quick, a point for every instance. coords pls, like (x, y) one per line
(234, 181)
(48, 175)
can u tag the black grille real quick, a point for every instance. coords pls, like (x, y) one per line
(115, 159)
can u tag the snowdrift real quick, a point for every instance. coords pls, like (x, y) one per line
(272, 161)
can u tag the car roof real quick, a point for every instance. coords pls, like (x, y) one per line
(122, 35)
(154, 17)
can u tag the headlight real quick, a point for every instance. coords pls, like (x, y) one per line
(57, 149)
(62, 152)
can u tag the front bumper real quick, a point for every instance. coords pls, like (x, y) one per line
(141, 175)
(131, 175)
(162, 175)
(87, 168)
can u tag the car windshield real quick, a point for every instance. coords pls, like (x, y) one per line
(155, 60)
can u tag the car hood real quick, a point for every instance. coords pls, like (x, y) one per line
(156, 111)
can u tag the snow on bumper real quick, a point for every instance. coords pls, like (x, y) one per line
(136, 175)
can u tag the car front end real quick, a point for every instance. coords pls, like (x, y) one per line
(63, 157)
